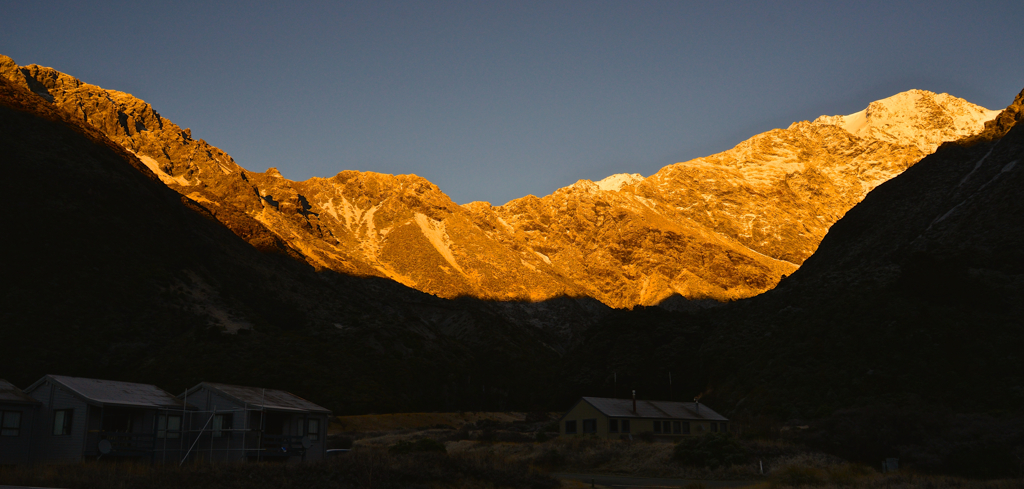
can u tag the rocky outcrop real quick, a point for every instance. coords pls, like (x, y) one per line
(109, 273)
(722, 227)
(901, 335)
(1001, 124)
(730, 225)
(917, 291)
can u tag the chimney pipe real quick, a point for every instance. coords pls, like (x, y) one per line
(697, 400)
(634, 402)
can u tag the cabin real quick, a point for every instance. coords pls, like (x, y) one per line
(235, 423)
(609, 418)
(18, 415)
(87, 419)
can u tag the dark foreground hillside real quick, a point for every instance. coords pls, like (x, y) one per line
(901, 336)
(108, 273)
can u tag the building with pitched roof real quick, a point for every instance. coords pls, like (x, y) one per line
(82, 419)
(252, 423)
(18, 418)
(625, 418)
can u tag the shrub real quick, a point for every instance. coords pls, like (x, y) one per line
(537, 417)
(340, 441)
(487, 436)
(486, 423)
(712, 450)
(421, 445)
(796, 475)
(513, 437)
(550, 458)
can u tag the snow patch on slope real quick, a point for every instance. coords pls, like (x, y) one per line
(164, 177)
(916, 118)
(437, 235)
(619, 180)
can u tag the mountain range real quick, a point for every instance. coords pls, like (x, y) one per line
(722, 227)
(899, 334)
(108, 273)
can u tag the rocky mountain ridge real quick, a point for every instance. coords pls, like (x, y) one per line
(722, 227)
(108, 273)
(900, 337)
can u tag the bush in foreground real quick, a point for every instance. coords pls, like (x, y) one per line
(358, 469)
(712, 450)
(420, 445)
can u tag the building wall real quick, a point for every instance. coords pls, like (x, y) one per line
(318, 450)
(143, 422)
(583, 410)
(58, 448)
(231, 447)
(167, 449)
(16, 449)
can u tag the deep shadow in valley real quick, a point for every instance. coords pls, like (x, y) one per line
(110, 274)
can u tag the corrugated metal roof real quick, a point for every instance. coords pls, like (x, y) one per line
(113, 392)
(267, 398)
(10, 393)
(623, 408)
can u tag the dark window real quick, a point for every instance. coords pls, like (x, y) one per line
(657, 426)
(10, 423)
(613, 426)
(714, 427)
(625, 426)
(570, 427)
(686, 427)
(313, 429)
(221, 425)
(168, 426)
(725, 427)
(676, 427)
(62, 421)
(590, 426)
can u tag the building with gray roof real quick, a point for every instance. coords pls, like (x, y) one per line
(253, 423)
(69, 419)
(18, 418)
(625, 418)
(82, 419)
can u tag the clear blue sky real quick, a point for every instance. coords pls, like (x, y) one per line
(495, 100)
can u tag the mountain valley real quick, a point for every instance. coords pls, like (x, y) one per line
(723, 227)
(872, 265)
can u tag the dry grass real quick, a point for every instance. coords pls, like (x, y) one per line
(603, 456)
(367, 468)
(385, 439)
(408, 421)
(818, 470)
(473, 463)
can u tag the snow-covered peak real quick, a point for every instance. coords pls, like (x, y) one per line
(915, 117)
(619, 180)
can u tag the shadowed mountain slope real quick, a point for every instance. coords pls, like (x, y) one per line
(919, 288)
(901, 336)
(109, 273)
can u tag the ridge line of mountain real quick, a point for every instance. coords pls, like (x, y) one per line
(721, 227)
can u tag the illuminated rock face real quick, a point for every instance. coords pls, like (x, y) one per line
(722, 227)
